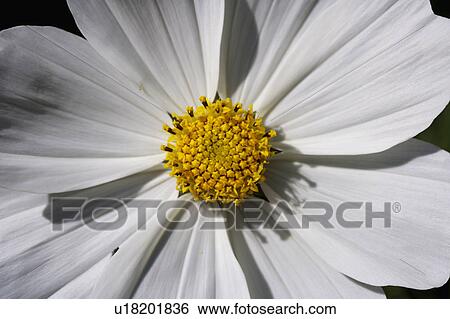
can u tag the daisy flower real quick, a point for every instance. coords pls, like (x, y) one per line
(222, 101)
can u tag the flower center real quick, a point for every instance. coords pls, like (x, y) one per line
(218, 151)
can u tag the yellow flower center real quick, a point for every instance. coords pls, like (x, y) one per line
(218, 151)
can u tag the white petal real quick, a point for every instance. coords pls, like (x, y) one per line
(161, 275)
(342, 77)
(14, 202)
(257, 34)
(169, 48)
(413, 252)
(37, 261)
(82, 286)
(279, 265)
(210, 269)
(230, 278)
(183, 263)
(65, 110)
(122, 273)
(52, 174)
(61, 97)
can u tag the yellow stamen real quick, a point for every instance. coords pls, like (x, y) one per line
(218, 151)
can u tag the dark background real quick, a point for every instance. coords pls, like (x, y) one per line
(56, 13)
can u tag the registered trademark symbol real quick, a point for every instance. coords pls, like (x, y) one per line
(396, 207)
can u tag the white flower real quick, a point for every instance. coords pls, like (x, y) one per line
(344, 83)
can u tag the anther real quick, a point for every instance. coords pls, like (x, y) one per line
(270, 133)
(190, 111)
(274, 150)
(204, 101)
(168, 129)
(166, 148)
(172, 117)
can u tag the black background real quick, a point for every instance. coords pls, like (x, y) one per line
(56, 13)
